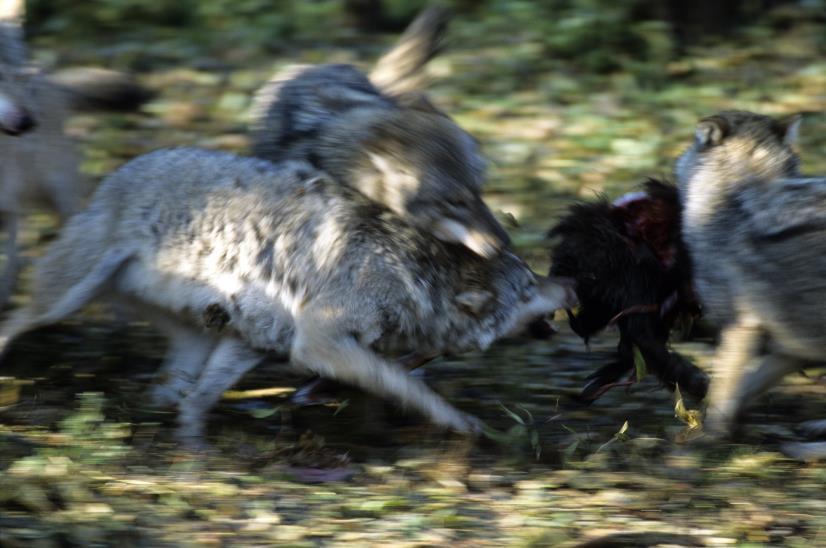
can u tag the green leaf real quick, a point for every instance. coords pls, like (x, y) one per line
(692, 418)
(639, 364)
(341, 407)
(513, 415)
(264, 413)
(568, 452)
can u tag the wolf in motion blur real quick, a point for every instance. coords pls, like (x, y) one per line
(630, 268)
(38, 163)
(756, 232)
(383, 137)
(301, 266)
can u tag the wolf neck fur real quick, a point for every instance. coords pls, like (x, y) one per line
(714, 181)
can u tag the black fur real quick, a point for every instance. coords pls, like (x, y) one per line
(631, 269)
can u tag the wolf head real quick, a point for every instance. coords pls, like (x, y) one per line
(503, 297)
(15, 76)
(738, 145)
(419, 164)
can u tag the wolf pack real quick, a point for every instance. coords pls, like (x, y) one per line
(354, 242)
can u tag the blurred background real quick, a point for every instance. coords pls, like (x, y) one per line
(570, 99)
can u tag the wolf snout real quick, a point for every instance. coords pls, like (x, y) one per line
(568, 287)
(14, 119)
(559, 290)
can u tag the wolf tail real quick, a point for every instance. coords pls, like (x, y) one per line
(90, 88)
(400, 69)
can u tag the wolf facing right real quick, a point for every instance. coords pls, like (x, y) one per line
(302, 266)
(756, 232)
(382, 136)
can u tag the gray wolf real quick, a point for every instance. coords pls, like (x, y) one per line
(382, 136)
(630, 269)
(38, 163)
(756, 232)
(290, 263)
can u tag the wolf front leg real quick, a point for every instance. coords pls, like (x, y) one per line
(322, 346)
(739, 346)
(230, 360)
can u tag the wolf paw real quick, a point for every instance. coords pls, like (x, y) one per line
(470, 425)
(164, 395)
(804, 451)
(813, 428)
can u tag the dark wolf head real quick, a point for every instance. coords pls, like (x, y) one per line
(735, 145)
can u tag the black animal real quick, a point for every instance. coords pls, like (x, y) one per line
(632, 270)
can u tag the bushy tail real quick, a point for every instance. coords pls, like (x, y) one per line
(91, 88)
(400, 70)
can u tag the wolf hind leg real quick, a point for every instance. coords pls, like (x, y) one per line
(339, 356)
(189, 349)
(227, 363)
(8, 279)
(74, 298)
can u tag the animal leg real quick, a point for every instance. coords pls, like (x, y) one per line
(189, 349)
(78, 295)
(339, 356)
(739, 344)
(227, 363)
(320, 390)
(8, 279)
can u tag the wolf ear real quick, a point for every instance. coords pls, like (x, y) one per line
(419, 101)
(788, 128)
(474, 301)
(711, 131)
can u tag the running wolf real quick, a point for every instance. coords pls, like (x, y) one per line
(296, 264)
(38, 163)
(383, 137)
(756, 232)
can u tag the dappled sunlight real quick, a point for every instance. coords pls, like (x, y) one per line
(86, 460)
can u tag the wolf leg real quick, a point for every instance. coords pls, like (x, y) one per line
(78, 295)
(189, 349)
(227, 363)
(8, 278)
(339, 356)
(739, 345)
(64, 183)
(321, 391)
(769, 372)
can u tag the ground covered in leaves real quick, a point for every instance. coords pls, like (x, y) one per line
(85, 462)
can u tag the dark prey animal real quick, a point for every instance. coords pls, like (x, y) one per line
(631, 270)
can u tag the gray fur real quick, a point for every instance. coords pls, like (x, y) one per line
(383, 137)
(38, 163)
(756, 231)
(302, 266)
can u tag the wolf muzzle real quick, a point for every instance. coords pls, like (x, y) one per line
(14, 119)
